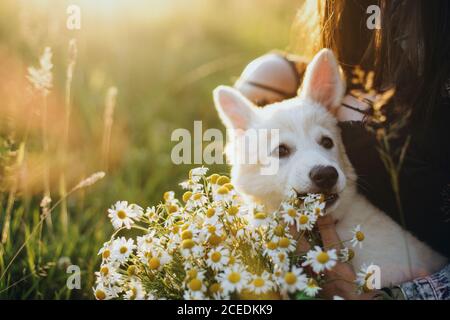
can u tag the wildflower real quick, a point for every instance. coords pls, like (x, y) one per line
(108, 274)
(42, 78)
(197, 174)
(218, 258)
(312, 288)
(260, 284)
(320, 260)
(358, 236)
(122, 215)
(121, 249)
(234, 278)
(306, 221)
(102, 292)
(136, 290)
(290, 214)
(363, 276)
(293, 280)
(105, 251)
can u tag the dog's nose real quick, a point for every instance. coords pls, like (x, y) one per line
(324, 177)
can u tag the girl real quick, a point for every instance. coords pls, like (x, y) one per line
(410, 53)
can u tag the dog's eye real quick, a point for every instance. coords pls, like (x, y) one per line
(282, 151)
(326, 142)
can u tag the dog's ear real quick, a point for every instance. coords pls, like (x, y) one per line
(323, 81)
(235, 110)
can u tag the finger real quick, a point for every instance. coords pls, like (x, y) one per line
(302, 245)
(328, 233)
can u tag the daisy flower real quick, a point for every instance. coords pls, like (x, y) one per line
(234, 278)
(346, 254)
(102, 292)
(42, 78)
(218, 258)
(280, 259)
(287, 243)
(122, 248)
(320, 260)
(108, 274)
(136, 290)
(318, 208)
(363, 276)
(260, 284)
(105, 251)
(358, 236)
(151, 215)
(290, 214)
(197, 174)
(312, 288)
(293, 280)
(306, 221)
(122, 215)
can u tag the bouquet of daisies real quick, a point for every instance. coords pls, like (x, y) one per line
(212, 245)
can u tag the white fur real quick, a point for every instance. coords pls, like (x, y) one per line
(302, 122)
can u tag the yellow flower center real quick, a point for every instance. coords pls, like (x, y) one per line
(222, 180)
(279, 231)
(260, 215)
(214, 288)
(271, 245)
(233, 210)
(304, 219)
(131, 270)
(359, 236)
(214, 239)
(210, 212)
(323, 257)
(104, 270)
(100, 294)
(229, 186)
(186, 234)
(106, 254)
(284, 242)
(154, 263)
(213, 178)
(172, 209)
(192, 273)
(292, 212)
(351, 254)
(216, 256)
(187, 244)
(123, 250)
(186, 196)
(290, 278)
(234, 277)
(281, 257)
(312, 283)
(167, 195)
(317, 211)
(223, 191)
(197, 196)
(121, 214)
(258, 282)
(195, 284)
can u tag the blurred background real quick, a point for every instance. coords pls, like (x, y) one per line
(140, 69)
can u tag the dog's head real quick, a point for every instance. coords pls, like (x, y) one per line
(308, 147)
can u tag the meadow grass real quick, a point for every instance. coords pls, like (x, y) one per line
(164, 58)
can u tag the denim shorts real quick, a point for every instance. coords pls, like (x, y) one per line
(434, 287)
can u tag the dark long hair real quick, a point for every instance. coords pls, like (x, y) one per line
(411, 50)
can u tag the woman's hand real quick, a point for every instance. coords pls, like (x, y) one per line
(341, 280)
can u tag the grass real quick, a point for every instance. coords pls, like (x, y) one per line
(164, 58)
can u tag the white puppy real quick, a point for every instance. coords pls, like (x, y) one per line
(312, 159)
